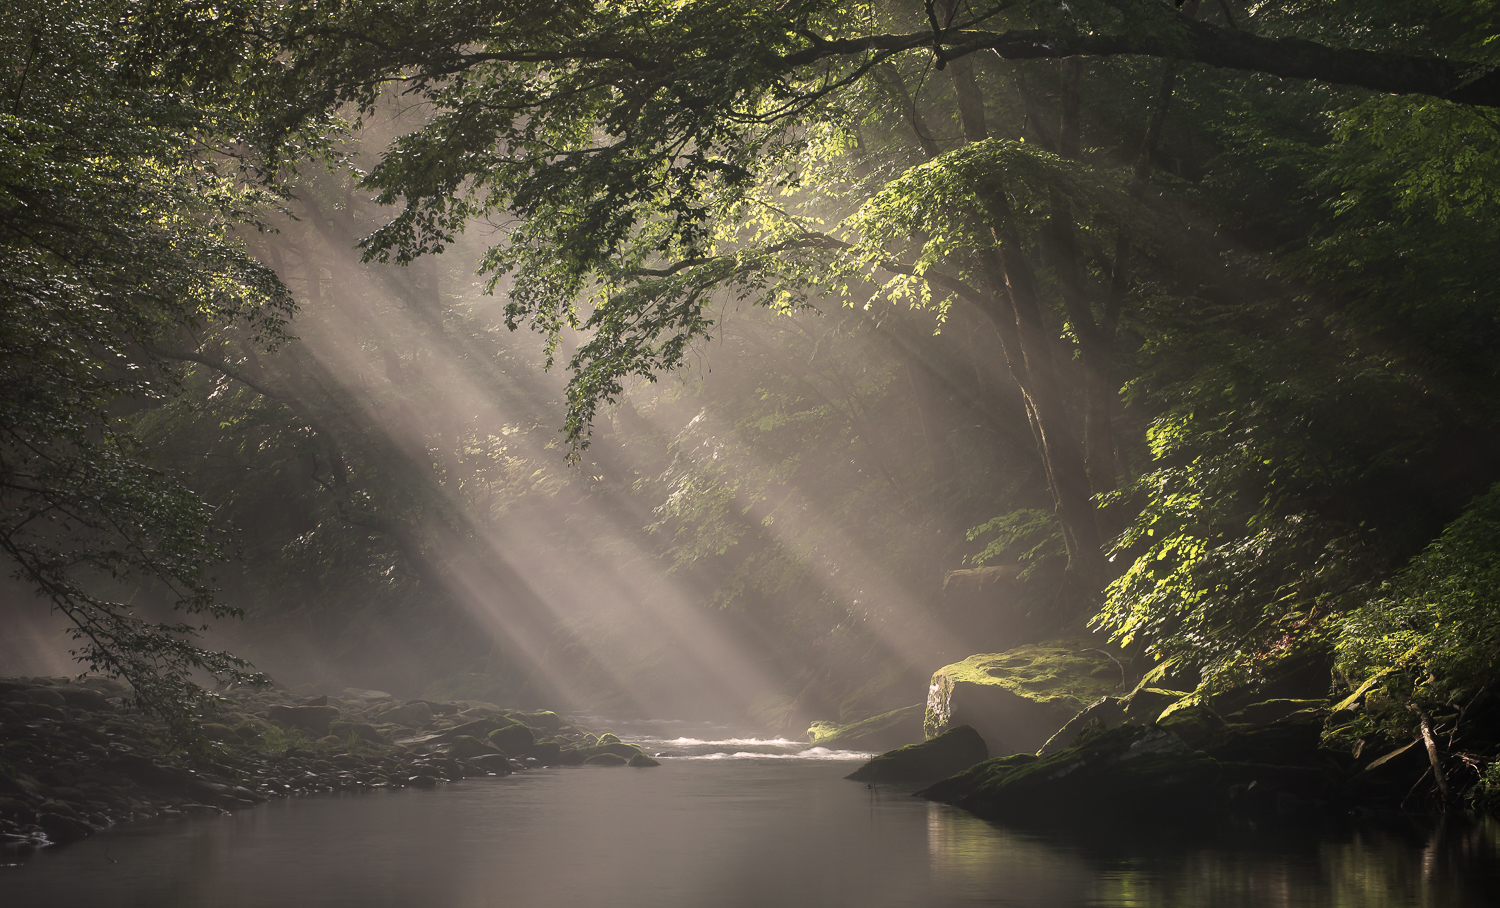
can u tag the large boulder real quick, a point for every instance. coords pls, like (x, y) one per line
(1130, 770)
(884, 732)
(1017, 700)
(514, 739)
(1191, 760)
(466, 747)
(950, 752)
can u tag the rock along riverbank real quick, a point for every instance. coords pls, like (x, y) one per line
(77, 758)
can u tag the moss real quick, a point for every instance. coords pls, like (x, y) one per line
(898, 723)
(606, 759)
(987, 772)
(546, 719)
(625, 751)
(952, 751)
(1151, 704)
(1268, 711)
(512, 739)
(1193, 724)
(641, 761)
(1068, 674)
(608, 738)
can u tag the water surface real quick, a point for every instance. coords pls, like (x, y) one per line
(735, 822)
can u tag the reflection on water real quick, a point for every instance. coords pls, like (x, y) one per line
(1285, 861)
(734, 822)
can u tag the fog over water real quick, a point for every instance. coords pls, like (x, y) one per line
(737, 822)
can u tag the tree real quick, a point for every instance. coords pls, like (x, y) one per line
(655, 156)
(117, 206)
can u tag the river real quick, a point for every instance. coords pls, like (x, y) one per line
(737, 823)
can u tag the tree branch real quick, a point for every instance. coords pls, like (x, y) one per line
(1461, 81)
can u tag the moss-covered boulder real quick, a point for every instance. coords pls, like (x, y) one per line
(1130, 770)
(956, 786)
(608, 738)
(545, 719)
(886, 731)
(641, 761)
(618, 749)
(950, 752)
(606, 759)
(1018, 699)
(513, 739)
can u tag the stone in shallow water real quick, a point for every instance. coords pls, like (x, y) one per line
(606, 759)
(952, 751)
(1141, 771)
(465, 747)
(513, 739)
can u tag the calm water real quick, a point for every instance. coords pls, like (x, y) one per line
(734, 823)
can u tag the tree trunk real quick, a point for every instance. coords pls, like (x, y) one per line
(1017, 315)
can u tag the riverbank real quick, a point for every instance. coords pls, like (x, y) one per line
(76, 757)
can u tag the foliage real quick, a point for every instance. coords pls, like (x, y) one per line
(117, 206)
(1432, 634)
(1032, 530)
(1311, 437)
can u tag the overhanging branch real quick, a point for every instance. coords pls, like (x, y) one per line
(1461, 81)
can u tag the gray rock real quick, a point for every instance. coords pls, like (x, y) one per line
(465, 747)
(315, 719)
(414, 714)
(46, 696)
(355, 693)
(84, 698)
